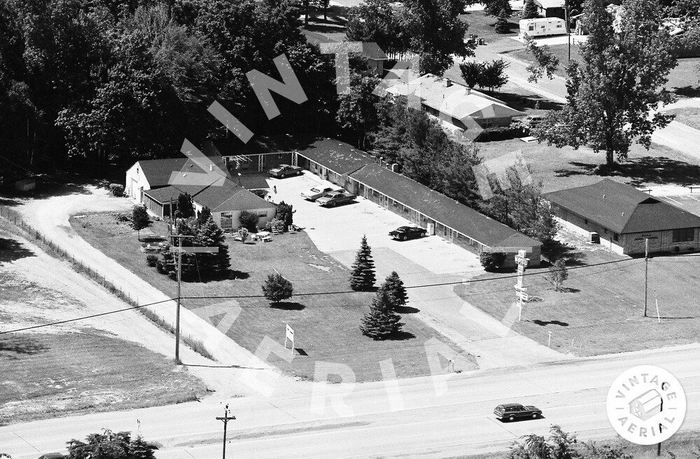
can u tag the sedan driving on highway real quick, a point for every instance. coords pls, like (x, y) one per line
(513, 411)
(315, 193)
(285, 170)
(403, 233)
(335, 198)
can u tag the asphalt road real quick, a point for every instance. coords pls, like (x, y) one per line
(438, 416)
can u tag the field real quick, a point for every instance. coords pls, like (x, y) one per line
(559, 168)
(326, 324)
(72, 369)
(601, 308)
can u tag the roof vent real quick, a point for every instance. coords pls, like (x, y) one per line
(448, 82)
(603, 196)
(211, 167)
(623, 214)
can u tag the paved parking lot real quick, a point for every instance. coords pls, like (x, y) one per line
(430, 260)
(339, 229)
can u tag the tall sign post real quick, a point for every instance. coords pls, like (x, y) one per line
(520, 290)
(646, 268)
(180, 250)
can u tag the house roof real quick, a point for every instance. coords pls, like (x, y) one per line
(371, 50)
(451, 99)
(546, 4)
(439, 207)
(227, 197)
(159, 171)
(622, 208)
(337, 156)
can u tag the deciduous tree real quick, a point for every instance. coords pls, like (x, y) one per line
(546, 61)
(111, 445)
(619, 84)
(139, 219)
(558, 274)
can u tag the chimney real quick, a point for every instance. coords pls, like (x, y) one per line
(468, 90)
(448, 82)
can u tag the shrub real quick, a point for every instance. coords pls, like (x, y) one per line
(140, 219)
(277, 225)
(243, 234)
(285, 213)
(249, 221)
(152, 260)
(492, 261)
(160, 266)
(116, 189)
(277, 288)
(558, 274)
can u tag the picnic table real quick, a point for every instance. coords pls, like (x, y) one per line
(264, 236)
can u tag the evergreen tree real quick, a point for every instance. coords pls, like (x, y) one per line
(185, 209)
(530, 10)
(204, 215)
(381, 321)
(276, 288)
(394, 286)
(363, 277)
(139, 219)
(208, 234)
(496, 7)
(502, 24)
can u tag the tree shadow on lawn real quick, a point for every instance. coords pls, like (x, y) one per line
(407, 310)
(11, 250)
(542, 323)
(288, 306)
(648, 169)
(21, 344)
(231, 274)
(688, 91)
(400, 336)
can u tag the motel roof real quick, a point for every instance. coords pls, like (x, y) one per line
(442, 209)
(339, 157)
(622, 208)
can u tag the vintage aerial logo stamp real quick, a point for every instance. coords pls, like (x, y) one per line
(646, 405)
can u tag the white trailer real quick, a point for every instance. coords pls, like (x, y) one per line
(540, 27)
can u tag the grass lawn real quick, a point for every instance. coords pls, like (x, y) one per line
(49, 375)
(484, 26)
(684, 79)
(601, 310)
(689, 116)
(559, 168)
(326, 325)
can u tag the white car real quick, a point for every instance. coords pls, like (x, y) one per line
(315, 193)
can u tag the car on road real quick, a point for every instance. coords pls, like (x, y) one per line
(285, 170)
(516, 411)
(316, 192)
(403, 233)
(335, 198)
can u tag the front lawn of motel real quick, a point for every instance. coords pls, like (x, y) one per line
(326, 325)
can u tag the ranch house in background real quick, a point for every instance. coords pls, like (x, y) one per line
(622, 217)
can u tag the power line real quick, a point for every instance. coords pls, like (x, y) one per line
(302, 294)
(91, 316)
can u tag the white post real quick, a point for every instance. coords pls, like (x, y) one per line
(549, 339)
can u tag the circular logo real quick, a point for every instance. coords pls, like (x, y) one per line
(646, 405)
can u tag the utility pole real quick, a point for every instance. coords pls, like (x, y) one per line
(568, 29)
(180, 249)
(225, 418)
(646, 272)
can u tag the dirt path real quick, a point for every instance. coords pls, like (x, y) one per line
(50, 217)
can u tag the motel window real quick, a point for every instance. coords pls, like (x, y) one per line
(262, 213)
(616, 237)
(531, 27)
(684, 235)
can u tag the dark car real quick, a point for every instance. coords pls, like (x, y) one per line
(53, 456)
(403, 233)
(515, 411)
(335, 198)
(285, 170)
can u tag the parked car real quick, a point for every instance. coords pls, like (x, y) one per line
(53, 456)
(403, 233)
(335, 198)
(315, 193)
(285, 170)
(513, 411)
